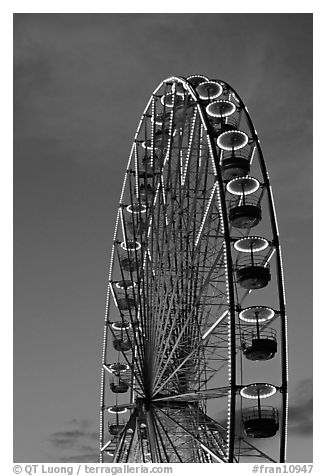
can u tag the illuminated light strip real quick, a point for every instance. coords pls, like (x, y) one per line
(113, 295)
(178, 93)
(145, 112)
(112, 250)
(123, 410)
(129, 286)
(183, 175)
(142, 208)
(210, 330)
(257, 308)
(137, 172)
(197, 76)
(166, 159)
(205, 214)
(229, 416)
(202, 117)
(252, 155)
(272, 391)
(183, 82)
(102, 392)
(206, 95)
(276, 226)
(163, 189)
(149, 255)
(124, 245)
(221, 156)
(269, 258)
(104, 350)
(116, 227)
(227, 114)
(133, 394)
(162, 185)
(152, 132)
(106, 445)
(211, 453)
(200, 145)
(228, 147)
(264, 244)
(236, 97)
(249, 191)
(107, 368)
(150, 259)
(122, 226)
(117, 328)
(157, 192)
(144, 261)
(125, 176)
(212, 157)
(170, 125)
(150, 227)
(110, 368)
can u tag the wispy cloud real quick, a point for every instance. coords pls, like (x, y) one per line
(65, 439)
(78, 442)
(301, 411)
(84, 458)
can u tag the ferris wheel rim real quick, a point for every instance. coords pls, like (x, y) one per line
(203, 116)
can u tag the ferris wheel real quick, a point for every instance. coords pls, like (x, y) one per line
(195, 335)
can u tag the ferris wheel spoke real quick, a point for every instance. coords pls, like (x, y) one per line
(143, 445)
(191, 282)
(168, 439)
(164, 317)
(195, 348)
(161, 441)
(174, 306)
(175, 455)
(219, 458)
(153, 436)
(161, 385)
(181, 439)
(206, 375)
(195, 395)
(256, 451)
(181, 329)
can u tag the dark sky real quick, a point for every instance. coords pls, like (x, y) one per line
(81, 81)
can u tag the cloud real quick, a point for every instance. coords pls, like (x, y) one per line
(301, 411)
(84, 458)
(76, 443)
(65, 439)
